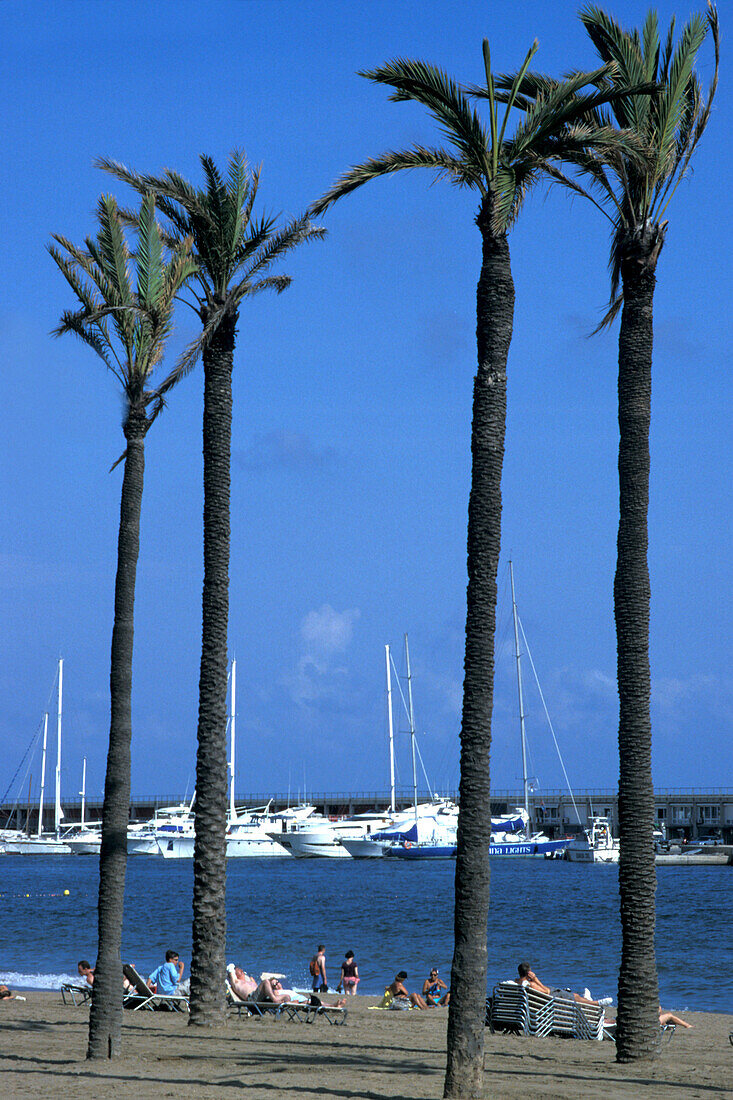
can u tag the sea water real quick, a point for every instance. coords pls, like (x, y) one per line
(561, 917)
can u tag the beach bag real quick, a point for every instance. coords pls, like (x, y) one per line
(387, 999)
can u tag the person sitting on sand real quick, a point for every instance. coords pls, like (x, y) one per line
(401, 998)
(241, 982)
(669, 1018)
(85, 971)
(527, 977)
(349, 974)
(432, 990)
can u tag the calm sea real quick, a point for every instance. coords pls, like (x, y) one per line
(562, 917)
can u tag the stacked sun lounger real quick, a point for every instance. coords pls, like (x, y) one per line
(528, 1012)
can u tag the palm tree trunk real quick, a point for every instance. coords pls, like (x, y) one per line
(105, 1018)
(637, 1033)
(208, 1007)
(495, 312)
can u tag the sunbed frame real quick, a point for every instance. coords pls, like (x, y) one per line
(76, 994)
(141, 996)
(527, 1012)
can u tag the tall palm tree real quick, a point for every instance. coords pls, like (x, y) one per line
(501, 169)
(234, 253)
(127, 326)
(671, 124)
(634, 194)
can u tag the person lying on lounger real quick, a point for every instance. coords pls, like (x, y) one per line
(242, 983)
(527, 977)
(669, 1018)
(85, 971)
(270, 990)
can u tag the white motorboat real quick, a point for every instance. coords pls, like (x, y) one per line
(597, 845)
(251, 834)
(324, 837)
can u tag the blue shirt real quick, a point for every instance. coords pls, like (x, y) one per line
(165, 978)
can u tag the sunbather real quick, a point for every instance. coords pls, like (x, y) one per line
(6, 994)
(401, 997)
(434, 990)
(527, 977)
(271, 990)
(669, 1018)
(242, 983)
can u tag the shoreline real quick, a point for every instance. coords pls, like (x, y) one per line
(378, 1055)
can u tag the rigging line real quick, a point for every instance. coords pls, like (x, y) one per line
(427, 781)
(549, 722)
(27, 759)
(399, 686)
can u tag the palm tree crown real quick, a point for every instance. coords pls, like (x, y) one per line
(233, 250)
(669, 124)
(127, 325)
(481, 156)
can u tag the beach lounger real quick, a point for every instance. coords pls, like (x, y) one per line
(141, 996)
(76, 994)
(525, 1011)
(300, 1011)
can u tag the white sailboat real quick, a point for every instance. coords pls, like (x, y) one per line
(249, 832)
(513, 836)
(83, 840)
(45, 844)
(423, 830)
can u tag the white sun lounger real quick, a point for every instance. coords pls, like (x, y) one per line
(141, 996)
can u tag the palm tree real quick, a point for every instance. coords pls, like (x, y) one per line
(127, 326)
(234, 253)
(634, 195)
(502, 170)
(671, 123)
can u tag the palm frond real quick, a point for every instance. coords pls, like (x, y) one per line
(396, 161)
(439, 93)
(149, 256)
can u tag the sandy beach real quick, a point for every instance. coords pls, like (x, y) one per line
(377, 1055)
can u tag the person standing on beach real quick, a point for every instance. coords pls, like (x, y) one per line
(317, 967)
(349, 974)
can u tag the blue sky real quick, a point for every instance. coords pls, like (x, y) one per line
(352, 412)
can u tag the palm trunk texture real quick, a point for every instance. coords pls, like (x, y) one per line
(637, 1034)
(105, 1018)
(208, 1006)
(466, 1014)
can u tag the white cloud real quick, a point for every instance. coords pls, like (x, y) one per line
(325, 636)
(325, 631)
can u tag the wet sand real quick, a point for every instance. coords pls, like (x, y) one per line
(377, 1056)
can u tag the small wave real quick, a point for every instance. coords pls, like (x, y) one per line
(36, 981)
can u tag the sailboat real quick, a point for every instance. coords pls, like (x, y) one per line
(424, 830)
(83, 840)
(252, 832)
(45, 844)
(508, 837)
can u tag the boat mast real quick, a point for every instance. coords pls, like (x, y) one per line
(83, 791)
(412, 726)
(525, 780)
(233, 720)
(57, 808)
(391, 731)
(43, 773)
